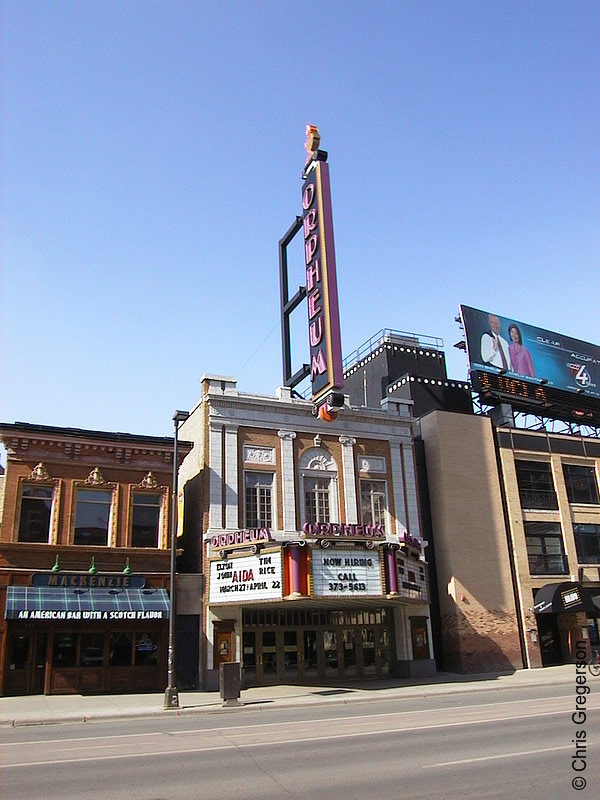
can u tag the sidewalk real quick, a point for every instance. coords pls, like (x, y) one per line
(49, 709)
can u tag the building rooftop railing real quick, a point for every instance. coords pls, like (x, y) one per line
(391, 336)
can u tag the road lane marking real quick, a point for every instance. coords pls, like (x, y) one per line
(208, 731)
(502, 755)
(296, 740)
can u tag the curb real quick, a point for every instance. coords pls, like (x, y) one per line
(418, 690)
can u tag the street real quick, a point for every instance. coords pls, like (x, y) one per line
(489, 744)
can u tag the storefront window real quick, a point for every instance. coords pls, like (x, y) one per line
(259, 501)
(120, 649)
(92, 514)
(145, 519)
(146, 649)
(92, 650)
(64, 653)
(34, 521)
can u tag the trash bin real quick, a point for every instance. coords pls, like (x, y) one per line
(230, 682)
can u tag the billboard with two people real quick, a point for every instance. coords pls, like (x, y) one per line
(502, 345)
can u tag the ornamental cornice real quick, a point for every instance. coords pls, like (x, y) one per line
(80, 449)
(273, 415)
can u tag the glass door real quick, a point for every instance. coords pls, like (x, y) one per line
(330, 652)
(311, 660)
(38, 677)
(349, 652)
(249, 660)
(383, 651)
(268, 657)
(369, 668)
(290, 656)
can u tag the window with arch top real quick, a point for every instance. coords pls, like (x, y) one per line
(318, 486)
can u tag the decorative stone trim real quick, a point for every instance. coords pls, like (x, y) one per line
(321, 462)
(259, 455)
(39, 473)
(371, 464)
(148, 482)
(95, 478)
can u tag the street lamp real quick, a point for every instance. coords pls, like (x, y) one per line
(171, 695)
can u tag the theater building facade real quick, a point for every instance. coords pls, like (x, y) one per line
(311, 548)
(84, 561)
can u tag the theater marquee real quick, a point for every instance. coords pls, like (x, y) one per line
(346, 573)
(246, 579)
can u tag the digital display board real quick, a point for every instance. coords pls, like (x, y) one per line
(528, 362)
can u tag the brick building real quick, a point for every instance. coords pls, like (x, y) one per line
(84, 560)
(512, 515)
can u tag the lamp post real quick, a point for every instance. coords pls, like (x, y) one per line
(171, 694)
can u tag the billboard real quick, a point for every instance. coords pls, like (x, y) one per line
(504, 346)
(321, 282)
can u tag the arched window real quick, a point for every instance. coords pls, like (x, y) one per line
(318, 486)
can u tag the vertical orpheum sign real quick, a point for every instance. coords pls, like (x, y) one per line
(321, 283)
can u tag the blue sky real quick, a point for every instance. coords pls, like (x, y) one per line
(151, 156)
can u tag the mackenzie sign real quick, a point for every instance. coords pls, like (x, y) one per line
(321, 283)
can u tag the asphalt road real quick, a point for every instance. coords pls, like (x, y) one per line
(508, 744)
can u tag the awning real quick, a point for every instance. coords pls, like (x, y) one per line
(64, 605)
(566, 596)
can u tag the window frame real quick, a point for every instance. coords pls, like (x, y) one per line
(150, 488)
(95, 482)
(545, 468)
(592, 481)
(49, 483)
(384, 512)
(317, 462)
(325, 490)
(553, 531)
(577, 534)
(266, 474)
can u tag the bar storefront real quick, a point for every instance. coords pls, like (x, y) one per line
(83, 633)
(338, 603)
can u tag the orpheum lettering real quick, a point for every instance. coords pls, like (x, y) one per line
(249, 536)
(326, 373)
(314, 282)
(337, 530)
